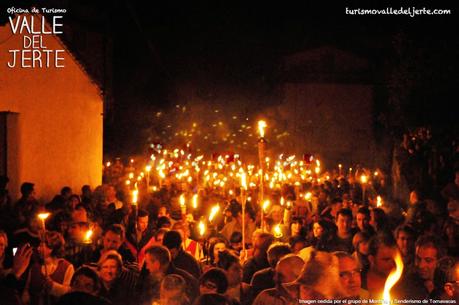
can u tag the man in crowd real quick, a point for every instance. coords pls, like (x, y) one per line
(158, 264)
(287, 270)
(418, 282)
(113, 239)
(446, 279)
(76, 251)
(139, 234)
(381, 253)
(349, 275)
(362, 220)
(181, 259)
(259, 260)
(264, 278)
(405, 237)
(342, 241)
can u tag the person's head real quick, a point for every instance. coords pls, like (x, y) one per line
(381, 254)
(378, 219)
(27, 189)
(297, 243)
(216, 246)
(230, 263)
(320, 276)
(429, 249)
(361, 242)
(336, 205)
(362, 218)
(142, 220)
(288, 269)
(416, 196)
(86, 191)
(110, 193)
(405, 237)
(53, 245)
(74, 201)
(446, 277)
(213, 281)
(157, 259)
(33, 223)
(66, 192)
(262, 244)
(172, 290)
(110, 266)
(163, 211)
(182, 228)
(113, 237)
(172, 240)
(255, 235)
(349, 273)
(276, 213)
(3, 242)
(318, 228)
(236, 240)
(79, 224)
(164, 222)
(344, 221)
(159, 236)
(276, 251)
(86, 280)
(296, 227)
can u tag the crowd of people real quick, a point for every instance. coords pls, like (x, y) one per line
(96, 247)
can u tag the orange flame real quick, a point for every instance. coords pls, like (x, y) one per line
(261, 128)
(393, 277)
(214, 212)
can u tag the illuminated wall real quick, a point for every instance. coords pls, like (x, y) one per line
(59, 121)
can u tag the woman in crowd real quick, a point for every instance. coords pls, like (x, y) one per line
(216, 246)
(50, 275)
(113, 287)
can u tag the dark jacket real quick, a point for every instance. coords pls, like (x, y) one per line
(187, 262)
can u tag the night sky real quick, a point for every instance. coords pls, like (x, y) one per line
(220, 48)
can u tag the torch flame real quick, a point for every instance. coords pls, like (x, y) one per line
(214, 212)
(202, 228)
(393, 277)
(379, 201)
(243, 181)
(182, 200)
(88, 235)
(43, 216)
(195, 201)
(261, 128)
(135, 196)
(266, 205)
(277, 231)
(282, 201)
(363, 179)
